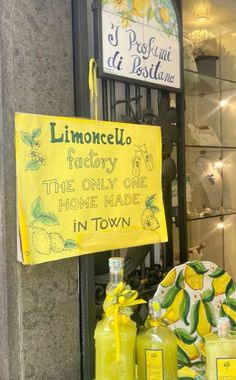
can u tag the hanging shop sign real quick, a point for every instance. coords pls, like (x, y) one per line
(140, 41)
(86, 186)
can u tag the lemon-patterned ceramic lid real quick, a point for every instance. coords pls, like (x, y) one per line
(193, 296)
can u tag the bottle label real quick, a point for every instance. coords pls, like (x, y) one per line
(154, 364)
(226, 368)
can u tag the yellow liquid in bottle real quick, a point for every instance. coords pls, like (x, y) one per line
(106, 366)
(156, 349)
(221, 352)
(221, 357)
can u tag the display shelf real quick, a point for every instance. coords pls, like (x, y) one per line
(209, 30)
(210, 107)
(211, 182)
(210, 170)
(197, 83)
(229, 245)
(210, 146)
(212, 215)
(209, 232)
(210, 135)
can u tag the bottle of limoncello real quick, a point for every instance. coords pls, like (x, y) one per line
(115, 334)
(221, 352)
(116, 277)
(156, 348)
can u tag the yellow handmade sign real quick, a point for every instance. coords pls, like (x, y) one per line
(86, 186)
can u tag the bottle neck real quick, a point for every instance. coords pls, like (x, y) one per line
(154, 322)
(115, 278)
(223, 327)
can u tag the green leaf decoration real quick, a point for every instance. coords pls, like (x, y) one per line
(155, 209)
(48, 218)
(149, 203)
(170, 296)
(208, 295)
(182, 356)
(231, 302)
(230, 288)
(26, 138)
(104, 2)
(70, 244)
(183, 335)
(180, 280)
(187, 378)
(210, 313)
(198, 267)
(126, 14)
(36, 133)
(217, 273)
(194, 317)
(33, 165)
(184, 307)
(37, 208)
(150, 14)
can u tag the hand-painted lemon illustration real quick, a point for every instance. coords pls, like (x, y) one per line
(169, 279)
(56, 242)
(190, 349)
(164, 15)
(194, 280)
(230, 312)
(220, 283)
(203, 327)
(140, 7)
(151, 223)
(147, 212)
(172, 313)
(148, 219)
(41, 241)
(186, 373)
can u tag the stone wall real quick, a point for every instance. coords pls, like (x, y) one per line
(39, 306)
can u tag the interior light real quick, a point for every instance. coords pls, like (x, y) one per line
(218, 164)
(223, 103)
(199, 35)
(202, 11)
(202, 19)
(220, 225)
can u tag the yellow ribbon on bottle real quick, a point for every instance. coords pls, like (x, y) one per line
(93, 85)
(124, 299)
(154, 323)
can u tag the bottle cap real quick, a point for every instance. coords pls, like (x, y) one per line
(223, 327)
(154, 308)
(116, 264)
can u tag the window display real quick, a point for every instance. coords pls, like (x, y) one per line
(210, 134)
